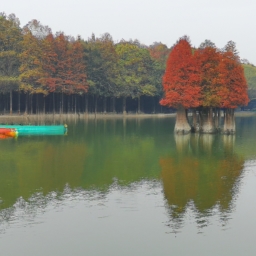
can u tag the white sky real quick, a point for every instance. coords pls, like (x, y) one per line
(147, 20)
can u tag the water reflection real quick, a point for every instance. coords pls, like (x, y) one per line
(38, 164)
(200, 174)
(201, 178)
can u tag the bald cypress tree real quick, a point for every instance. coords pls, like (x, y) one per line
(181, 83)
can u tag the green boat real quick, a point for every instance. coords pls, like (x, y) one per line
(38, 129)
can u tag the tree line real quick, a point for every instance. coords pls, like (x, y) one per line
(42, 72)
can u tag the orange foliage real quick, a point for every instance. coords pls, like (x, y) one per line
(70, 67)
(181, 81)
(209, 59)
(233, 89)
(180, 179)
(159, 52)
(64, 65)
(49, 61)
(209, 78)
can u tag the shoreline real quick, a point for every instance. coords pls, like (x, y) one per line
(60, 118)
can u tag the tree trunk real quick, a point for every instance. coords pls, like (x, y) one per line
(124, 106)
(138, 104)
(105, 105)
(31, 104)
(19, 102)
(75, 104)
(86, 103)
(4, 103)
(68, 110)
(44, 105)
(195, 124)
(206, 121)
(229, 122)
(72, 103)
(62, 102)
(26, 110)
(217, 118)
(182, 126)
(154, 105)
(37, 105)
(95, 104)
(10, 102)
(141, 105)
(114, 105)
(53, 103)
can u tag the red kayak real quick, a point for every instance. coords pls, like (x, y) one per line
(8, 132)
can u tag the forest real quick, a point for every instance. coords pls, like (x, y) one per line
(42, 72)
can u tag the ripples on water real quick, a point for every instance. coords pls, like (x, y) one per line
(106, 194)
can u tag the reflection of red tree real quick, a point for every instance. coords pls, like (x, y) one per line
(180, 179)
(228, 175)
(207, 182)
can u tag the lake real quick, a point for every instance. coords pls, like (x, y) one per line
(129, 187)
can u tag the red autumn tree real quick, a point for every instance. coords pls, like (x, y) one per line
(78, 67)
(208, 58)
(181, 83)
(233, 86)
(70, 77)
(49, 63)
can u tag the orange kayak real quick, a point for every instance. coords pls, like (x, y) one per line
(8, 132)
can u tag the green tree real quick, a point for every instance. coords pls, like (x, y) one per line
(135, 68)
(159, 53)
(101, 62)
(10, 38)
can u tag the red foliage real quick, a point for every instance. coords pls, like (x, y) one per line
(233, 85)
(181, 81)
(49, 63)
(209, 59)
(78, 67)
(159, 52)
(64, 65)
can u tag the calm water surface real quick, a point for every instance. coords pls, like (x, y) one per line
(129, 187)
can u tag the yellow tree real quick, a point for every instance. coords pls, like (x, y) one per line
(31, 69)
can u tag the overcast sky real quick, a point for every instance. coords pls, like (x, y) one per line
(147, 20)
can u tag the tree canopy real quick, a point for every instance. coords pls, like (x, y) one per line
(34, 61)
(181, 81)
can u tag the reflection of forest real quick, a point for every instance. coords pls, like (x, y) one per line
(92, 156)
(38, 165)
(205, 172)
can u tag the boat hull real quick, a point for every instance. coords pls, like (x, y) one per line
(37, 129)
(8, 132)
